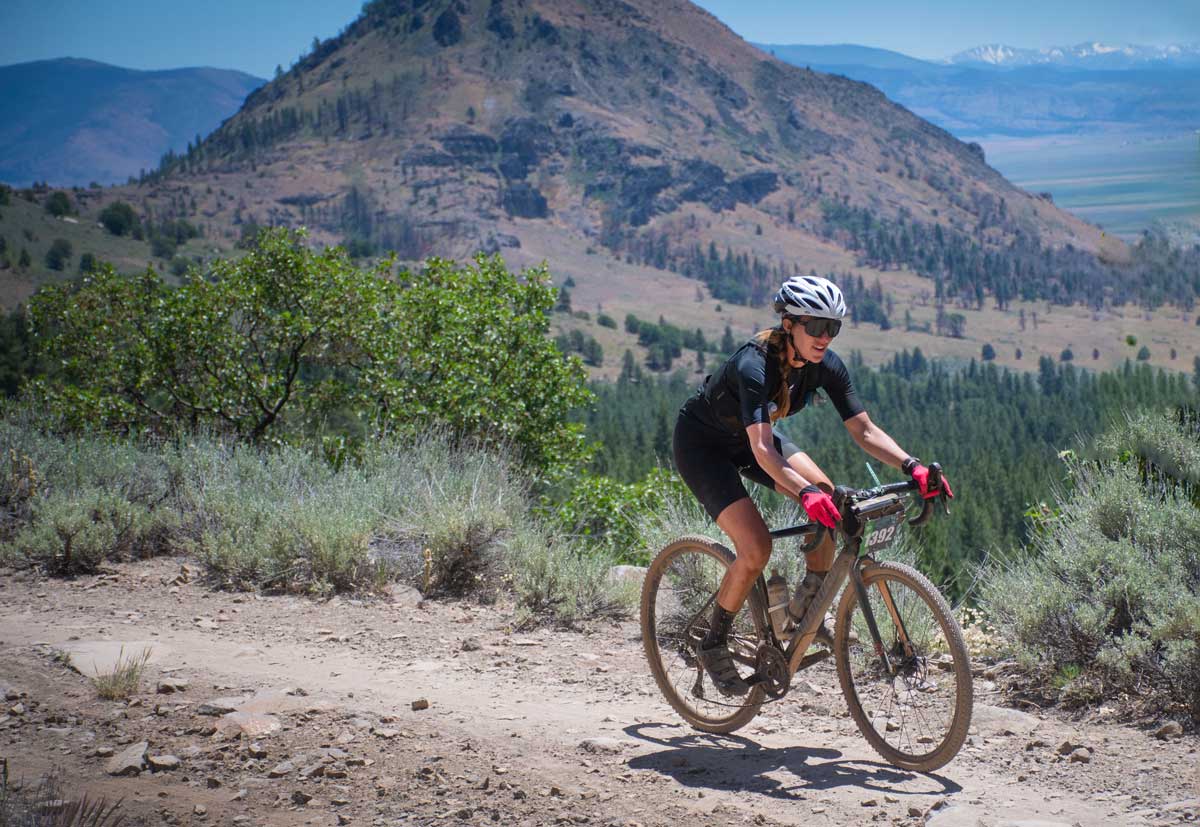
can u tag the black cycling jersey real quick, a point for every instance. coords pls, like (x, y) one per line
(742, 391)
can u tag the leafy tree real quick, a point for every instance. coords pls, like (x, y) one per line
(1067, 355)
(119, 218)
(24, 261)
(1143, 354)
(989, 352)
(605, 320)
(58, 204)
(88, 263)
(285, 340)
(59, 254)
(17, 361)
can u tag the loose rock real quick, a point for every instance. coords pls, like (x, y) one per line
(1171, 729)
(130, 762)
(419, 704)
(163, 763)
(601, 746)
(280, 770)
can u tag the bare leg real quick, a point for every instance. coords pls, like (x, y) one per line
(742, 523)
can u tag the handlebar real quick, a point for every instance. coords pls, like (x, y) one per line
(861, 505)
(870, 504)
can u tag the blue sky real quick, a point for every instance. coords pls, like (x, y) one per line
(255, 36)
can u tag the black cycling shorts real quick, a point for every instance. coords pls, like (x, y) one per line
(713, 467)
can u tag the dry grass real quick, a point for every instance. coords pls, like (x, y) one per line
(44, 805)
(125, 678)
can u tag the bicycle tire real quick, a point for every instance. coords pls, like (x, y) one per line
(692, 568)
(918, 697)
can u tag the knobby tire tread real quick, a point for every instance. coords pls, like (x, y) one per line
(753, 701)
(964, 690)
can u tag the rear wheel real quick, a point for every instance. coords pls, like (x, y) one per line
(678, 596)
(916, 717)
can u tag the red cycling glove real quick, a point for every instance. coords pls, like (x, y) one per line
(921, 474)
(819, 506)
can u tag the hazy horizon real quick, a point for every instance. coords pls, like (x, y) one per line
(255, 37)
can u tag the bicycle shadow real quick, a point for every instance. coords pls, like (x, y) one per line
(732, 763)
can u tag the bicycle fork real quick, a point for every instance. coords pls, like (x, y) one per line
(848, 565)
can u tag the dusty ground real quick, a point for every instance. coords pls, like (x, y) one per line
(541, 728)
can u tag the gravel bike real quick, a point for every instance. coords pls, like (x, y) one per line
(900, 656)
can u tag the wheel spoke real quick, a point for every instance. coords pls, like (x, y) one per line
(677, 602)
(912, 718)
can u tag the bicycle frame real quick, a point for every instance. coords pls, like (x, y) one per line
(848, 564)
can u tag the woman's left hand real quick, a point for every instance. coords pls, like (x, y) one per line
(921, 475)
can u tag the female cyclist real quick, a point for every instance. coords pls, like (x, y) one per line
(725, 432)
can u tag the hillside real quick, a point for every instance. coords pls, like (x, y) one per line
(73, 122)
(654, 159)
(464, 125)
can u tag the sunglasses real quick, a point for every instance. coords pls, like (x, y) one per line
(821, 327)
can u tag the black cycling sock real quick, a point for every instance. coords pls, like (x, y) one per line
(718, 632)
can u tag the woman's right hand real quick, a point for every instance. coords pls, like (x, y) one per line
(819, 506)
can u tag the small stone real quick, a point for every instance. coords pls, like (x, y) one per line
(471, 644)
(212, 783)
(168, 686)
(313, 771)
(103, 752)
(599, 746)
(386, 734)
(129, 762)
(1080, 756)
(280, 770)
(915, 812)
(256, 750)
(218, 706)
(1066, 747)
(891, 799)
(163, 763)
(300, 797)
(200, 811)
(1171, 729)
(343, 819)
(419, 704)
(870, 802)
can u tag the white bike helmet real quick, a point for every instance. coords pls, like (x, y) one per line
(810, 296)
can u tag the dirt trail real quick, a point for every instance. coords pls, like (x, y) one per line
(526, 729)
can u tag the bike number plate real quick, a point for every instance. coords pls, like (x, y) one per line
(883, 532)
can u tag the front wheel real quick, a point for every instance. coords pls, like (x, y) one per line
(677, 604)
(917, 716)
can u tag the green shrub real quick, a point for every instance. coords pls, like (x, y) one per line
(611, 513)
(58, 204)
(564, 582)
(1107, 599)
(59, 254)
(119, 218)
(273, 346)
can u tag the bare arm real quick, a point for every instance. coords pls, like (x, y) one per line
(874, 440)
(762, 443)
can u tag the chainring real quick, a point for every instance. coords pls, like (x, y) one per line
(772, 671)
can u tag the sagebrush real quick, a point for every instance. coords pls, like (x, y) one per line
(1106, 601)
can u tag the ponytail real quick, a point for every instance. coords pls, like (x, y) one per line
(774, 339)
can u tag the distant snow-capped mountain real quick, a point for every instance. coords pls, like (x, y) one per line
(1091, 55)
